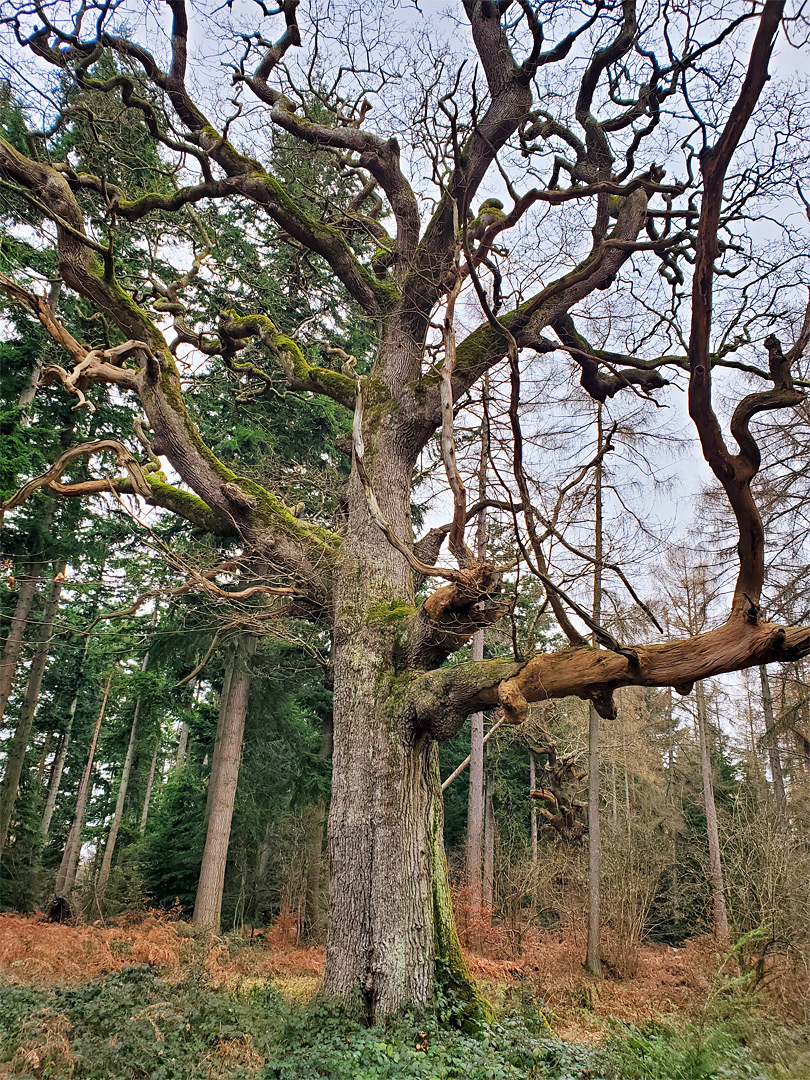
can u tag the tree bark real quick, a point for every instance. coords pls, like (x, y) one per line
(593, 960)
(719, 912)
(25, 722)
(772, 741)
(66, 875)
(115, 825)
(222, 790)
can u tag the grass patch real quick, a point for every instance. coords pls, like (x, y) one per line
(134, 1025)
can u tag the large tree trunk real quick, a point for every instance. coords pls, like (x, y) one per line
(25, 721)
(66, 875)
(719, 912)
(222, 790)
(390, 918)
(391, 931)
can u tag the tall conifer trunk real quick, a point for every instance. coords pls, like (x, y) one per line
(719, 911)
(475, 800)
(772, 740)
(150, 783)
(593, 961)
(27, 590)
(123, 786)
(25, 721)
(66, 875)
(222, 786)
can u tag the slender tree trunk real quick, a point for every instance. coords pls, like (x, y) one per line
(533, 812)
(719, 912)
(25, 722)
(593, 960)
(488, 876)
(59, 763)
(475, 799)
(311, 922)
(55, 778)
(43, 758)
(150, 783)
(772, 741)
(261, 870)
(182, 742)
(182, 745)
(222, 791)
(115, 825)
(26, 592)
(66, 875)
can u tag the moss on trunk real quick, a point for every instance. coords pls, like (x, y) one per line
(455, 986)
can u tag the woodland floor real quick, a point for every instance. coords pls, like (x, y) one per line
(668, 985)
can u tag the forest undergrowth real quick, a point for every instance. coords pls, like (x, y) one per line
(149, 996)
